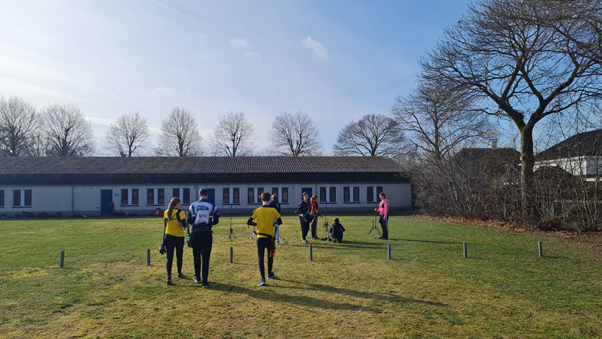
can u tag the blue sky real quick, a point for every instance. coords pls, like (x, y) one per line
(335, 60)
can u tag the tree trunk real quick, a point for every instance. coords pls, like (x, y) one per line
(527, 161)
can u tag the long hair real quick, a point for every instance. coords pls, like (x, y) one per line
(314, 198)
(172, 204)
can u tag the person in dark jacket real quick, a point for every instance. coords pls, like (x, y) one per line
(336, 231)
(274, 203)
(304, 219)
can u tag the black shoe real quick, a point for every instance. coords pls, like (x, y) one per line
(381, 237)
(196, 279)
(181, 275)
(205, 285)
(169, 282)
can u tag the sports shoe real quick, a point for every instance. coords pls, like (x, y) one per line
(304, 241)
(169, 282)
(315, 238)
(205, 285)
(196, 279)
(262, 283)
(271, 275)
(181, 275)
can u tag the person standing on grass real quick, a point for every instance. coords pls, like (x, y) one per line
(202, 215)
(302, 211)
(263, 218)
(383, 210)
(274, 203)
(314, 214)
(174, 221)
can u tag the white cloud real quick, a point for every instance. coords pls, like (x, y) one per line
(239, 42)
(252, 54)
(162, 89)
(317, 49)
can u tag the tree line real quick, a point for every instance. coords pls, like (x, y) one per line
(62, 130)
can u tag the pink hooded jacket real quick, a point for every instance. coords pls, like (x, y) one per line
(383, 208)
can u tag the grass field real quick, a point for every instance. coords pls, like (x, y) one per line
(350, 290)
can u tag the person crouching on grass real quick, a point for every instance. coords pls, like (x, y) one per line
(336, 231)
(263, 218)
(174, 220)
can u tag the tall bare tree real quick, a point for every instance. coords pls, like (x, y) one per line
(233, 135)
(295, 134)
(438, 120)
(18, 123)
(372, 135)
(180, 134)
(66, 131)
(505, 53)
(128, 136)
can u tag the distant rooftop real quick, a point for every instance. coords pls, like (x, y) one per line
(582, 144)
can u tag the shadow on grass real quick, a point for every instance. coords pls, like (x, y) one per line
(358, 294)
(268, 293)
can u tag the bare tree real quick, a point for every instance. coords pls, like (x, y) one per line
(128, 136)
(295, 134)
(505, 53)
(66, 131)
(18, 122)
(439, 120)
(180, 134)
(233, 135)
(372, 135)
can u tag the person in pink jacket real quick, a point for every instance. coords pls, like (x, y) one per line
(383, 210)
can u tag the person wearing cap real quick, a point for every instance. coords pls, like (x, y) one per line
(336, 231)
(202, 215)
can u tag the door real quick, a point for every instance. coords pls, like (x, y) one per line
(306, 189)
(106, 196)
(211, 195)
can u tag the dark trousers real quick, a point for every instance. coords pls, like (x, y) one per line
(170, 244)
(264, 244)
(384, 223)
(304, 227)
(202, 242)
(314, 226)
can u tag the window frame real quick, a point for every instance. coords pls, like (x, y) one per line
(233, 196)
(182, 195)
(351, 195)
(23, 197)
(130, 197)
(280, 191)
(327, 193)
(156, 196)
(376, 190)
(1, 198)
(256, 192)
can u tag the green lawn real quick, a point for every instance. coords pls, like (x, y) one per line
(350, 290)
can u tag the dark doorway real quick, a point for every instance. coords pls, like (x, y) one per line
(106, 196)
(306, 189)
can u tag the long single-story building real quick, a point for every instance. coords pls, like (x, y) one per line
(142, 185)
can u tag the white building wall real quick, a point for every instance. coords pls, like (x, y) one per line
(71, 200)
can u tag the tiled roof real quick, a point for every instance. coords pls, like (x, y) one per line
(582, 144)
(93, 170)
(488, 155)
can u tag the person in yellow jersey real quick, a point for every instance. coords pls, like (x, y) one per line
(263, 218)
(174, 220)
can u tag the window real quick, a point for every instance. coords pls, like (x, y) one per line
(282, 194)
(21, 198)
(155, 196)
(1, 198)
(129, 196)
(351, 194)
(328, 194)
(373, 193)
(183, 194)
(231, 195)
(253, 195)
